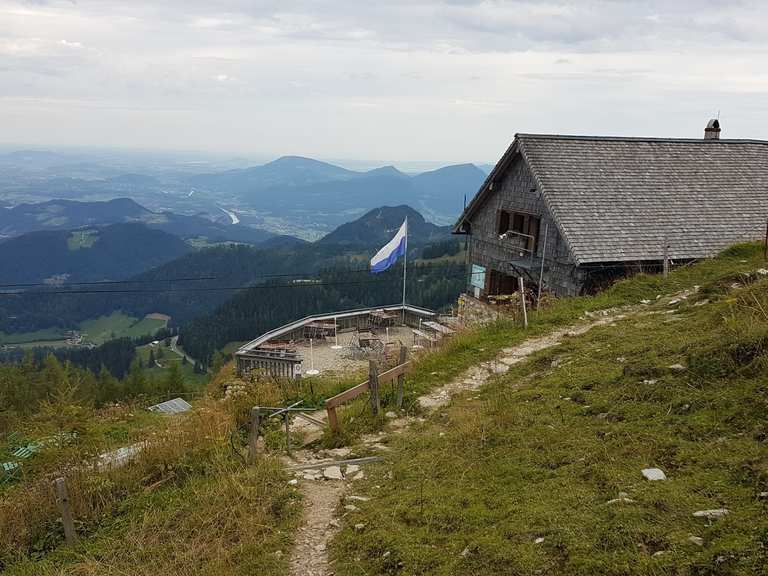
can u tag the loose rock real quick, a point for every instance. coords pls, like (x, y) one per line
(359, 527)
(653, 474)
(677, 367)
(712, 514)
(696, 540)
(333, 473)
(358, 498)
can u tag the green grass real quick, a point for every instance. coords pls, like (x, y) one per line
(119, 325)
(194, 382)
(186, 505)
(80, 239)
(541, 451)
(231, 520)
(40, 336)
(97, 330)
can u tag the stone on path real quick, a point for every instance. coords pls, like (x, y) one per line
(293, 482)
(712, 514)
(359, 476)
(333, 473)
(351, 469)
(390, 415)
(653, 474)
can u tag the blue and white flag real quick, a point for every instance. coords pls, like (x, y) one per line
(392, 250)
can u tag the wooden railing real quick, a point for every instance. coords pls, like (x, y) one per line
(372, 384)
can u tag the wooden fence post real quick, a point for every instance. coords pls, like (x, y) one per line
(62, 501)
(401, 378)
(253, 435)
(521, 285)
(333, 420)
(287, 434)
(373, 384)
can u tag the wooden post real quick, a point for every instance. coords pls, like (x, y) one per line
(521, 285)
(287, 434)
(333, 420)
(373, 384)
(765, 248)
(665, 267)
(401, 378)
(253, 435)
(62, 501)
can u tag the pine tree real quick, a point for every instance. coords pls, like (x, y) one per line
(136, 382)
(218, 361)
(173, 383)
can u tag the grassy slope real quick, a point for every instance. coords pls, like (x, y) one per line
(194, 382)
(119, 325)
(231, 521)
(98, 330)
(187, 505)
(545, 448)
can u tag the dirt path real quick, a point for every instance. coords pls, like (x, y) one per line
(309, 557)
(323, 495)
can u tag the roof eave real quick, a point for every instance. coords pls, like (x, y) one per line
(479, 196)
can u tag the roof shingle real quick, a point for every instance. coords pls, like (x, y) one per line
(618, 199)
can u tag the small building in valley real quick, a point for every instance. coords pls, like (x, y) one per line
(580, 211)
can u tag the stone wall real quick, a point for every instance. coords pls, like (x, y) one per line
(473, 311)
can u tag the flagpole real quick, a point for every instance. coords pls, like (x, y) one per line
(405, 265)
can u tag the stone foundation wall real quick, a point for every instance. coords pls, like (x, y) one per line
(473, 311)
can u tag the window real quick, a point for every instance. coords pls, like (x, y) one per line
(503, 221)
(524, 226)
(518, 223)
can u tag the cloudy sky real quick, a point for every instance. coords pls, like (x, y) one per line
(386, 80)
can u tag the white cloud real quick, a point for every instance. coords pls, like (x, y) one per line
(403, 79)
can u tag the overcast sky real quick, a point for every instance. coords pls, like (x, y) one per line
(386, 80)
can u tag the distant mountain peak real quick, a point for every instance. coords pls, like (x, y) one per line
(386, 171)
(375, 228)
(297, 161)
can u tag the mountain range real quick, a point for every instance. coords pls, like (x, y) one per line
(111, 252)
(68, 214)
(302, 189)
(291, 195)
(153, 258)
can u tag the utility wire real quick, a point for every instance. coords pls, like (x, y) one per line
(194, 279)
(307, 284)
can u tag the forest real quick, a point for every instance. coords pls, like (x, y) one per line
(32, 389)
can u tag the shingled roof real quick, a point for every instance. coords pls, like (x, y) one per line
(617, 199)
